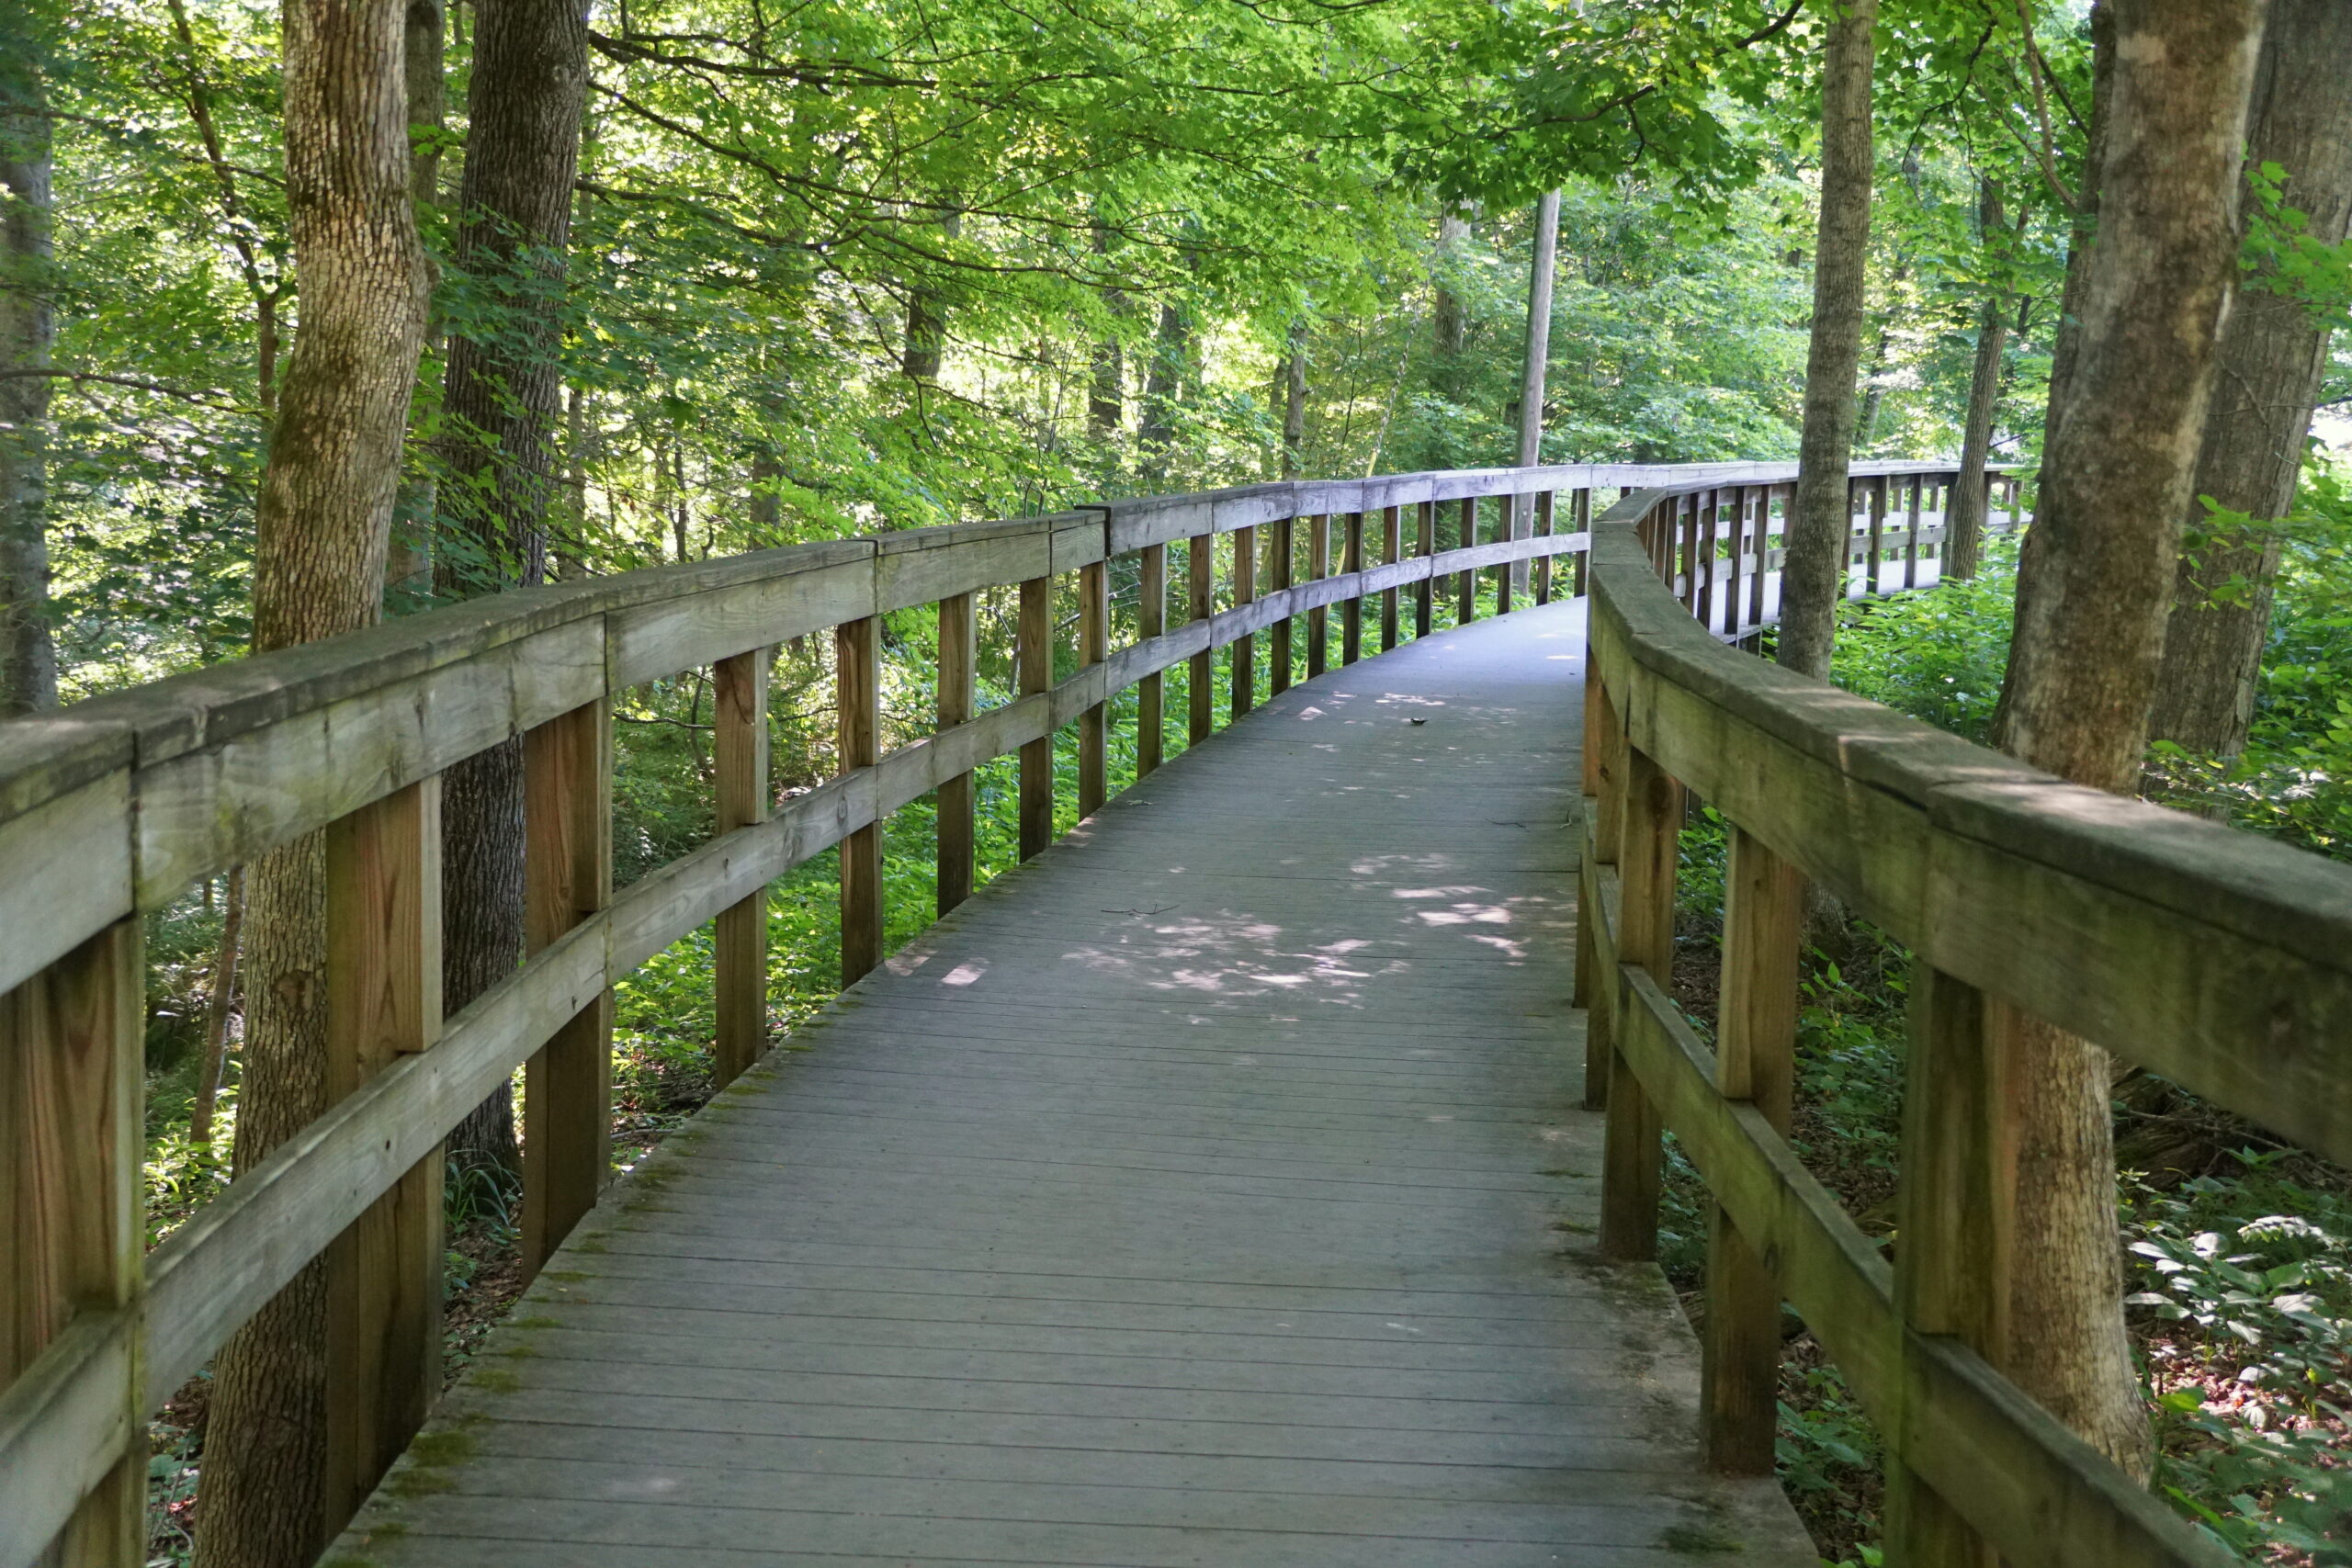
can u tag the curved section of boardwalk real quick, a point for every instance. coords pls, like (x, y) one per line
(1210, 1190)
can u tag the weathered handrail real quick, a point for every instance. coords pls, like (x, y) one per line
(2220, 960)
(116, 806)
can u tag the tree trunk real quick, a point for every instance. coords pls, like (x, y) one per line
(217, 1008)
(1812, 579)
(27, 329)
(1157, 430)
(927, 320)
(1293, 398)
(2273, 354)
(1535, 366)
(503, 396)
(1964, 512)
(322, 526)
(1448, 323)
(2155, 285)
(408, 565)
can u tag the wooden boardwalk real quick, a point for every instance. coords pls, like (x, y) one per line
(1210, 1190)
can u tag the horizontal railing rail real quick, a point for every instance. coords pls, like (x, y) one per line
(114, 808)
(2217, 958)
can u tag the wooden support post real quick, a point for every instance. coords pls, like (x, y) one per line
(958, 654)
(1425, 591)
(1647, 861)
(383, 1274)
(1540, 577)
(1152, 621)
(1093, 648)
(857, 690)
(739, 749)
(1710, 525)
(73, 1094)
(1318, 619)
(1512, 528)
(1604, 798)
(1584, 527)
(1878, 530)
(1466, 590)
(1911, 538)
(1242, 665)
(1392, 550)
(1280, 548)
(1200, 560)
(1034, 671)
(1756, 1040)
(568, 877)
(1352, 607)
(1763, 554)
(1955, 1207)
(1690, 574)
(1735, 559)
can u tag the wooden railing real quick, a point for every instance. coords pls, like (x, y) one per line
(116, 807)
(2217, 959)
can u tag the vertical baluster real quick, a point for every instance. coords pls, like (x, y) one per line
(71, 1093)
(1425, 591)
(1032, 658)
(1690, 524)
(1242, 666)
(1279, 546)
(1584, 527)
(1955, 1206)
(958, 653)
(1201, 689)
(1648, 862)
(1152, 621)
(1736, 559)
(383, 992)
(568, 877)
(1540, 575)
(1093, 648)
(739, 749)
(1392, 550)
(857, 690)
(1350, 611)
(1465, 589)
(1755, 1034)
(1878, 530)
(1763, 554)
(1710, 524)
(1318, 619)
(1911, 538)
(1604, 789)
(1512, 528)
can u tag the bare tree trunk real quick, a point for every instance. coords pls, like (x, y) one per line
(1814, 577)
(927, 320)
(502, 398)
(1964, 513)
(1449, 322)
(2273, 356)
(1170, 349)
(2154, 287)
(27, 329)
(408, 565)
(1107, 378)
(321, 527)
(1293, 379)
(1535, 368)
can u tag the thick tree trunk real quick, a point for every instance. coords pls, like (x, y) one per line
(1812, 579)
(1535, 366)
(1294, 379)
(27, 329)
(1964, 513)
(1449, 322)
(1106, 391)
(2155, 285)
(408, 565)
(2272, 357)
(502, 398)
(1170, 347)
(322, 521)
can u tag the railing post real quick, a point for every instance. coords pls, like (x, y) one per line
(1763, 554)
(72, 1090)
(1200, 562)
(1911, 538)
(1425, 591)
(1033, 658)
(1505, 575)
(958, 653)
(1878, 530)
(1755, 1038)
(1689, 509)
(1352, 607)
(1604, 789)
(568, 877)
(1583, 520)
(1318, 619)
(1710, 528)
(1152, 621)
(1955, 1209)
(739, 750)
(1242, 667)
(1392, 550)
(1465, 591)
(857, 683)
(1735, 563)
(1540, 577)
(1093, 648)
(383, 1274)
(1280, 547)
(1647, 861)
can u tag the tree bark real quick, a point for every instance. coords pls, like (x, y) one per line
(1157, 430)
(408, 565)
(502, 398)
(1964, 513)
(2272, 358)
(2155, 284)
(1812, 579)
(1294, 379)
(1449, 322)
(322, 526)
(927, 320)
(1535, 366)
(27, 329)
